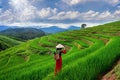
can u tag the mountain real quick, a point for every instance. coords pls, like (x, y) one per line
(55, 29)
(52, 29)
(23, 33)
(6, 42)
(3, 28)
(73, 28)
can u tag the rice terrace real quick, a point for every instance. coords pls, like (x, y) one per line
(91, 54)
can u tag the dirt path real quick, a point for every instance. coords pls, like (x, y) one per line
(112, 74)
(109, 76)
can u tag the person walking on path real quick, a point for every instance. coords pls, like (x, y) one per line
(58, 57)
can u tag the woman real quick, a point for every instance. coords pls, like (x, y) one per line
(58, 57)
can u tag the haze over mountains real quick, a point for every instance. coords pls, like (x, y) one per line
(3, 28)
(51, 29)
(55, 29)
(26, 33)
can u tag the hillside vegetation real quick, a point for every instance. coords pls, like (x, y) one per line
(90, 52)
(23, 33)
(6, 42)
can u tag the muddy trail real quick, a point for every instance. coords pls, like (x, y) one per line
(113, 74)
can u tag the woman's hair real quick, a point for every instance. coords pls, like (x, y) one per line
(58, 48)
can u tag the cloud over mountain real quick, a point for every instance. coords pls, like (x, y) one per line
(58, 11)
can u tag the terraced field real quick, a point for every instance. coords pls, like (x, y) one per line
(90, 53)
(6, 42)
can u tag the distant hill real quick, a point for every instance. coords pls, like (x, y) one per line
(52, 29)
(55, 29)
(73, 28)
(6, 42)
(23, 33)
(3, 28)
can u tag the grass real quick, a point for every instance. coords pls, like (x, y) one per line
(91, 52)
(6, 42)
(97, 59)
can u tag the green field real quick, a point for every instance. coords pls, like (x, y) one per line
(90, 53)
(6, 42)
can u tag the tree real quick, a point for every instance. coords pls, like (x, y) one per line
(83, 25)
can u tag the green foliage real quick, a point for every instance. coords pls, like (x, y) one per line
(6, 42)
(87, 55)
(23, 33)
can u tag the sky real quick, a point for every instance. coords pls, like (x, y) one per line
(61, 13)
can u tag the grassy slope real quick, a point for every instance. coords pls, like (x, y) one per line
(7, 42)
(91, 51)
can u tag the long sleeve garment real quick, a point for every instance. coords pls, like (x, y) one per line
(58, 66)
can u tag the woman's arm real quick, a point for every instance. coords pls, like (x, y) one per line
(64, 51)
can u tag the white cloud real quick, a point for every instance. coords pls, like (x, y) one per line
(89, 15)
(61, 25)
(52, 14)
(46, 12)
(117, 14)
(6, 17)
(27, 12)
(66, 15)
(105, 16)
(23, 9)
(113, 2)
(19, 5)
(74, 2)
(23, 12)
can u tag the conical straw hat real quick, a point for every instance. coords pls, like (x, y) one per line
(59, 46)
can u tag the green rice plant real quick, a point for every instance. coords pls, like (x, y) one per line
(87, 63)
(88, 68)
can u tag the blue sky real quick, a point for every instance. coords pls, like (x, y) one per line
(62, 13)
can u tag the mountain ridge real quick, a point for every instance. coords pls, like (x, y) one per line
(50, 29)
(58, 29)
(23, 33)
